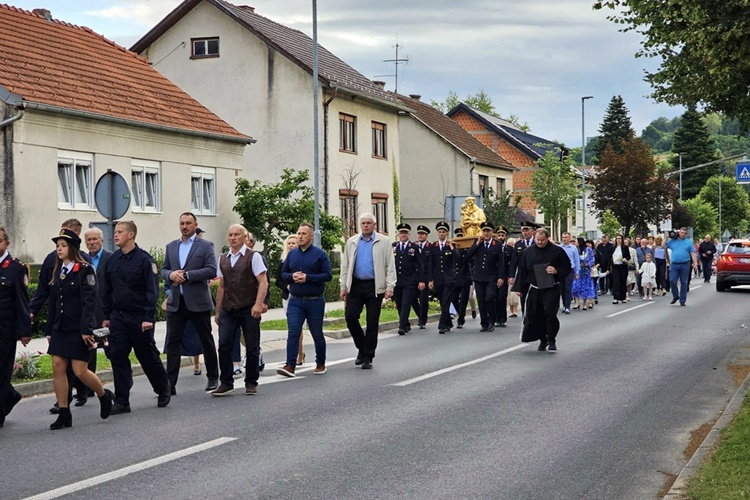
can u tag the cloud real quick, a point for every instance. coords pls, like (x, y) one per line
(141, 12)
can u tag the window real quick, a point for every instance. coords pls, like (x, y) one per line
(348, 202)
(203, 190)
(579, 204)
(378, 140)
(347, 133)
(75, 180)
(205, 47)
(380, 211)
(484, 182)
(500, 189)
(145, 185)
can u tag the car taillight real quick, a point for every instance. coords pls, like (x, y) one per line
(726, 258)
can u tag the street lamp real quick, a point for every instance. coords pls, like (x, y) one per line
(316, 167)
(583, 160)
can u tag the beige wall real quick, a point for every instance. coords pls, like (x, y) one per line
(38, 137)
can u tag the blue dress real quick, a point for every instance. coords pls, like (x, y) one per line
(583, 287)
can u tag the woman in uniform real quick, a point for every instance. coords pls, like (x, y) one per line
(73, 288)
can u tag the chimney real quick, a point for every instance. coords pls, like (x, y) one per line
(379, 84)
(46, 14)
(248, 8)
(416, 97)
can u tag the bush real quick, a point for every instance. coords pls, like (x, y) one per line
(25, 366)
(40, 320)
(333, 289)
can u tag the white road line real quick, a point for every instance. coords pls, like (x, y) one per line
(695, 287)
(281, 378)
(110, 476)
(629, 309)
(456, 367)
(328, 363)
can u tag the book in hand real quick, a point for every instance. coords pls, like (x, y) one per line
(544, 279)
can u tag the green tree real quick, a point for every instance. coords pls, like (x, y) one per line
(481, 101)
(273, 211)
(735, 207)
(693, 141)
(705, 216)
(498, 208)
(629, 184)
(680, 216)
(553, 186)
(702, 48)
(608, 223)
(615, 127)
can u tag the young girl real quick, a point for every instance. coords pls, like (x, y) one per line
(648, 277)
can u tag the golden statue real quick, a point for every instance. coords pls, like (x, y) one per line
(472, 218)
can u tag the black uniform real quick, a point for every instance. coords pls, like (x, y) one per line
(518, 249)
(409, 274)
(129, 295)
(488, 268)
(501, 312)
(73, 311)
(421, 301)
(462, 287)
(443, 274)
(14, 324)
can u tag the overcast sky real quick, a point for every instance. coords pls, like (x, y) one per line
(535, 58)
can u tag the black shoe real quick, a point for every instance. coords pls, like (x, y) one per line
(401, 331)
(483, 329)
(682, 304)
(81, 401)
(172, 390)
(14, 401)
(491, 328)
(542, 347)
(502, 324)
(165, 396)
(421, 326)
(359, 360)
(367, 364)
(441, 331)
(55, 409)
(117, 408)
(460, 326)
(105, 403)
(672, 301)
(497, 324)
(473, 314)
(64, 419)
(552, 346)
(212, 385)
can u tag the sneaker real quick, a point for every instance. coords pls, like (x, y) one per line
(212, 385)
(286, 370)
(223, 390)
(552, 346)
(645, 299)
(320, 369)
(359, 360)
(251, 390)
(651, 299)
(261, 362)
(615, 301)
(237, 372)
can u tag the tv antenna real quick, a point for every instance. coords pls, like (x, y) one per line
(396, 63)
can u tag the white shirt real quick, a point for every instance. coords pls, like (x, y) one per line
(257, 263)
(64, 269)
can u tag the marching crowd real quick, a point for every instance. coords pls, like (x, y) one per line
(98, 294)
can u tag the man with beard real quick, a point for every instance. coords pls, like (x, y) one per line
(542, 268)
(525, 241)
(443, 258)
(421, 301)
(462, 287)
(501, 314)
(487, 275)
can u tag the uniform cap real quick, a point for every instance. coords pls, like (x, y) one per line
(487, 225)
(403, 227)
(68, 235)
(530, 225)
(423, 229)
(458, 231)
(501, 229)
(443, 225)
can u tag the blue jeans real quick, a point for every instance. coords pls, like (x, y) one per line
(297, 311)
(567, 294)
(679, 271)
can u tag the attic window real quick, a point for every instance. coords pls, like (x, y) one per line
(205, 47)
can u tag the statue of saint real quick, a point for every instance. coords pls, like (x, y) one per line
(472, 218)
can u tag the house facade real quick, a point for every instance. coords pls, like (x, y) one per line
(66, 120)
(256, 74)
(440, 159)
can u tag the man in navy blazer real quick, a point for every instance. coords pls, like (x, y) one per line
(189, 263)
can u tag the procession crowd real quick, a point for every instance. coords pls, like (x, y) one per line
(99, 298)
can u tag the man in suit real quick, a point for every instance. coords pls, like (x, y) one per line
(525, 241)
(488, 275)
(189, 263)
(408, 276)
(443, 259)
(421, 301)
(462, 287)
(501, 312)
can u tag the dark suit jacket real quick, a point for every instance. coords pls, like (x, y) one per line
(489, 263)
(200, 266)
(99, 280)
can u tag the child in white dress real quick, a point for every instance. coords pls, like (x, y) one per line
(648, 277)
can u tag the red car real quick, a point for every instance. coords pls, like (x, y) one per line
(733, 267)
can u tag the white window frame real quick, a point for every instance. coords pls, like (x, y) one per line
(140, 187)
(79, 181)
(204, 201)
(204, 42)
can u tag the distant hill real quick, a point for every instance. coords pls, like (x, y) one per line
(725, 134)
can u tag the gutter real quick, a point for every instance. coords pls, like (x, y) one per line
(134, 123)
(12, 119)
(325, 145)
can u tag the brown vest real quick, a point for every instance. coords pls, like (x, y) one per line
(240, 284)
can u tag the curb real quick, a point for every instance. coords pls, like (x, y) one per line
(46, 386)
(677, 491)
(382, 327)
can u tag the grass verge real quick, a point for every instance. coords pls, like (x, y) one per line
(386, 315)
(44, 363)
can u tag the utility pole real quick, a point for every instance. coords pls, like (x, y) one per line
(396, 62)
(680, 155)
(583, 161)
(316, 166)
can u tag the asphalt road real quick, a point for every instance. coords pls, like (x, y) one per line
(462, 415)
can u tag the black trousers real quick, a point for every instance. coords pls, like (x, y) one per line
(460, 300)
(176, 322)
(501, 311)
(661, 274)
(487, 298)
(229, 321)
(540, 321)
(619, 281)
(362, 295)
(7, 358)
(403, 296)
(707, 271)
(445, 293)
(126, 335)
(421, 305)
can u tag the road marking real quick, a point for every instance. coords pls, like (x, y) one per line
(273, 379)
(328, 363)
(695, 287)
(110, 476)
(629, 309)
(456, 367)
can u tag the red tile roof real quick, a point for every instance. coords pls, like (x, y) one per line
(60, 65)
(454, 134)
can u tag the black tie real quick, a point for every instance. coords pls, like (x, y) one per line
(403, 246)
(487, 245)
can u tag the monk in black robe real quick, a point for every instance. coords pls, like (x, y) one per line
(541, 268)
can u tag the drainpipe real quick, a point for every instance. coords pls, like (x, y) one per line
(325, 146)
(473, 161)
(12, 119)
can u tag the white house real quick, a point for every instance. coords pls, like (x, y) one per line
(74, 105)
(257, 75)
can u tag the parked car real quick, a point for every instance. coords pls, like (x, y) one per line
(733, 266)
